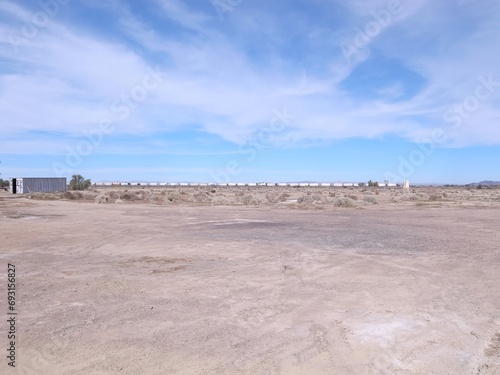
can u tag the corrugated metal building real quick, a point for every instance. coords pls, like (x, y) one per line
(23, 185)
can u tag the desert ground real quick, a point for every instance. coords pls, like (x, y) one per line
(223, 280)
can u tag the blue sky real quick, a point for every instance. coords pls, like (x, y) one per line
(251, 90)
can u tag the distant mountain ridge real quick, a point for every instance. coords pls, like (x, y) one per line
(485, 183)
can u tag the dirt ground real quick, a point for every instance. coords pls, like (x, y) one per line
(243, 281)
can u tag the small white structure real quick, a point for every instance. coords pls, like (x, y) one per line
(325, 184)
(282, 184)
(313, 184)
(337, 184)
(303, 184)
(163, 184)
(391, 184)
(194, 184)
(406, 184)
(153, 184)
(252, 184)
(294, 184)
(348, 184)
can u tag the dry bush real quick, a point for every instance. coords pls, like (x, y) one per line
(201, 198)
(423, 196)
(271, 197)
(370, 199)
(114, 194)
(283, 196)
(249, 199)
(220, 201)
(344, 202)
(172, 198)
(353, 197)
(102, 199)
(78, 195)
(409, 197)
(317, 197)
(436, 197)
(305, 199)
(127, 197)
(68, 195)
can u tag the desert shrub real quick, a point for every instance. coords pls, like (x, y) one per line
(370, 199)
(201, 197)
(172, 197)
(90, 196)
(220, 201)
(305, 199)
(435, 197)
(408, 197)
(344, 202)
(249, 199)
(317, 197)
(68, 195)
(114, 194)
(127, 197)
(423, 196)
(271, 197)
(102, 199)
(353, 197)
(283, 196)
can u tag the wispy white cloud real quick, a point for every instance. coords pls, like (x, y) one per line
(228, 84)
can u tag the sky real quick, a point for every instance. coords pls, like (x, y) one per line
(251, 90)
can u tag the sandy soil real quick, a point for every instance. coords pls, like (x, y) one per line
(271, 286)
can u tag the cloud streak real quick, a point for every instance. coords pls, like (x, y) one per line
(225, 78)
